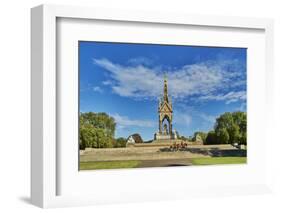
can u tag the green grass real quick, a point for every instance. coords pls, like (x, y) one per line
(108, 164)
(219, 160)
(94, 165)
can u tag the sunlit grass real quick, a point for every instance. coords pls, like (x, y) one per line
(219, 160)
(94, 165)
(91, 165)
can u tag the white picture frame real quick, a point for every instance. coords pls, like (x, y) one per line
(45, 152)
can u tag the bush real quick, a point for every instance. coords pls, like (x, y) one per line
(211, 138)
(120, 142)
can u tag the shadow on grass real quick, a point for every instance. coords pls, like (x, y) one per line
(213, 152)
(175, 165)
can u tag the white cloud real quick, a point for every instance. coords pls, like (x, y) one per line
(187, 119)
(203, 80)
(97, 89)
(107, 82)
(183, 118)
(243, 107)
(124, 121)
(90, 87)
(137, 82)
(140, 60)
(229, 97)
(208, 118)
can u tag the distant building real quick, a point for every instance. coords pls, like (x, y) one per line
(198, 138)
(135, 138)
(130, 140)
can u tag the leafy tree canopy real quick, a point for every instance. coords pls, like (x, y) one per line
(96, 130)
(211, 138)
(229, 128)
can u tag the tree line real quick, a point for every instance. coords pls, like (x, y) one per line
(229, 128)
(97, 130)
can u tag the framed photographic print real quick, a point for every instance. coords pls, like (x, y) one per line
(149, 106)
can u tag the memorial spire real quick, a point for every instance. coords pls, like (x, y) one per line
(165, 88)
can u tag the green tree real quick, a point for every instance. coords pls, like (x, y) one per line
(96, 130)
(87, 136)
(120, 142)
(211, 138)
(234, 133)
(235, 124)
(222, 136)
(100, 121)
(240, 118)
(224, 121)
(243, 138)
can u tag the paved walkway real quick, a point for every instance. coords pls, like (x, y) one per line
(165, 163)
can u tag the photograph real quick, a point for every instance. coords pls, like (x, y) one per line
(161, 105)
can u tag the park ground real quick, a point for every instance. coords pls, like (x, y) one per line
(141, 157)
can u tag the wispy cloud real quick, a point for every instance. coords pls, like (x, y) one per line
(140, 60)
(182, 118)
(186, 114)
(229, 97)
(203, 81)
(187, 119)
(243, 107)
(97, 89)
(90, 87)
(206, 117)
(124, 121)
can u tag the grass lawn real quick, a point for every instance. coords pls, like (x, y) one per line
(93, 165)
(108, 164)
(219, 160)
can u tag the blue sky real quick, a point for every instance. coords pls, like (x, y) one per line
(126, 81)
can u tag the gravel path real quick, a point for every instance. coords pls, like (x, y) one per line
(165, 163)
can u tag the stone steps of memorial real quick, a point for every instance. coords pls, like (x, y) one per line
(158, 143)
